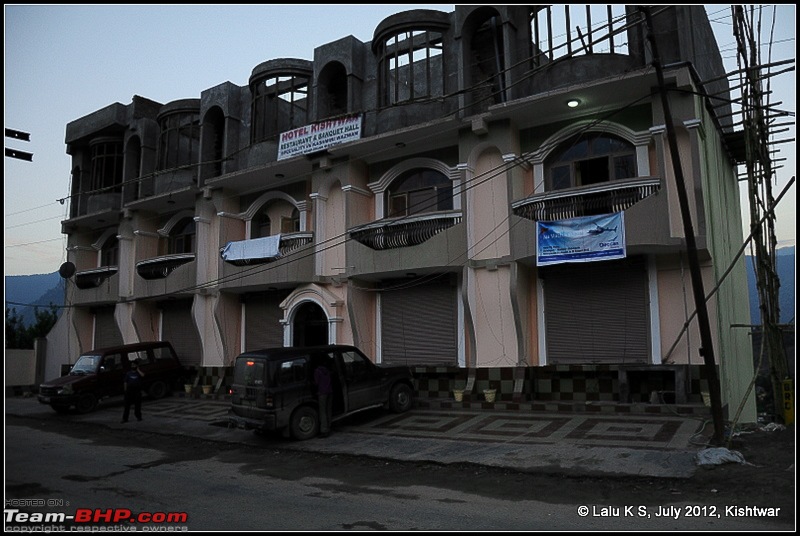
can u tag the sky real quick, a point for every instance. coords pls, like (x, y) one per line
(65, 62)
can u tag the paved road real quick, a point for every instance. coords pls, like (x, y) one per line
(581, 443)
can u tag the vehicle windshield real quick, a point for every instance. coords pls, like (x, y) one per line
(250, 372)
(86, 364)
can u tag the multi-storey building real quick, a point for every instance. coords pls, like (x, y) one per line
(389, 194)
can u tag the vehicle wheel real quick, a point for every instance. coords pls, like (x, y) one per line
(86, 403)
(60, 409)
(305, 423)
(401, 398)
(158, 389)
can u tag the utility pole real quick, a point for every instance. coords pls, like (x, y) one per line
(757, 118)
(706, 343)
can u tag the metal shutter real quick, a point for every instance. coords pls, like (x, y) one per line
(418, 324)
(177, 327)
(597, 312)
(263, 315)
(106, 332)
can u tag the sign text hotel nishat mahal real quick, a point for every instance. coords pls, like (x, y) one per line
(319, 136)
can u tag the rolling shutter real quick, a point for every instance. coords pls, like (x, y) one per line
(418, 324)
(177, 327)
(263, 315)
(597, 312)
(106, 332)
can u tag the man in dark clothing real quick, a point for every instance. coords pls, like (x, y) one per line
(322, 379)
(133, 392)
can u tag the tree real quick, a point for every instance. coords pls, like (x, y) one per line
(20, 336)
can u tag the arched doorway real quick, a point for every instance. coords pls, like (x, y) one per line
(310, 326)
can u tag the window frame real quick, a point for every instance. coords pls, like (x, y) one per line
(577, 165)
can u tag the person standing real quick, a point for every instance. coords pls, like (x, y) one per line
(132, 384)
(322, 379)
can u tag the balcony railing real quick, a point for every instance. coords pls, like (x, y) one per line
(603, 198)
(94, 278)
(288, 244)
(161, 267)
(406, 231)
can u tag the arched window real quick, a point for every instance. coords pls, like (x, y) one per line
(275, 217)
(106, 166)
(332, 90)
(181, 239)
(280, 98)
(261, 224)
(179, 142)
(410, 65)
(109, 255)
(590, 159)
(418, 191)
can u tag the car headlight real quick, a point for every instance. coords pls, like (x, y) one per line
(66, 390)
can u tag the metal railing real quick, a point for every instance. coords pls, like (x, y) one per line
(402, 232)
(605, 198)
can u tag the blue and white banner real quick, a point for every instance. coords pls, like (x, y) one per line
(585, 239)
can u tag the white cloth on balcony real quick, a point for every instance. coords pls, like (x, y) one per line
(256, 248)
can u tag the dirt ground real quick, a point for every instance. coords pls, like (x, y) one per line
(766, 480)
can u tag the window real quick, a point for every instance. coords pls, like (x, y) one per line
(106, 167)
(574, 30)
(487, 62)
(591, 159)
(109, 255)
(355, 365)
(250, 372)
(419, 191)
(280, 103)
(291, 224)
(260, 225)
(112, 362)
(286, 220)
(179, 143)
(410, 66)
(181, 240)
(140, 356)
(293, 371)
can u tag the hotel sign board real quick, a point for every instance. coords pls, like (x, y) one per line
(319, 136)
(584, 239)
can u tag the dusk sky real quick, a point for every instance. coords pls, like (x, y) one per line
(64, 62)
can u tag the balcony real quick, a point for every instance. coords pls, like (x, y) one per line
(161, 267)
(603, 198)
(294, 265)
(96, 286)
(391, 233)
(87, 279)
(288, 243)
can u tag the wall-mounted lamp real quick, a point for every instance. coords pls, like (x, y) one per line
(573, 103)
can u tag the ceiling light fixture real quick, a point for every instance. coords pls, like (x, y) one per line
(573, 103)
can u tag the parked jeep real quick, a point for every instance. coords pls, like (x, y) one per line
(98, 374)
(273, 388)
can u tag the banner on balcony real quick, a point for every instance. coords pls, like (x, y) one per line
(585, 239)
(267, 247)
(319, 136)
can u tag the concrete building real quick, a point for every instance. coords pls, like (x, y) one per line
(389, 195)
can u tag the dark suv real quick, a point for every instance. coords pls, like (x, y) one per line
(98, 374)
(273, 390)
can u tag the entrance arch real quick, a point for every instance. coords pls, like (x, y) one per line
(311, 314)
(310, 325)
